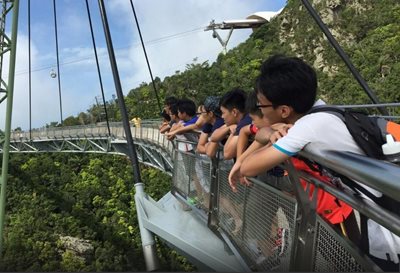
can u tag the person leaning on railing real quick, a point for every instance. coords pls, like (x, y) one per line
(210, 114)
(196, 125)
(187, 117)
(246, 138)
(173, 113)
(166, 120)
(233, 108)
(286, 90)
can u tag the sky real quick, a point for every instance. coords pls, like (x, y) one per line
(173, 33)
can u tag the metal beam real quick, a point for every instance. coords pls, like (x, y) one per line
(9, 90)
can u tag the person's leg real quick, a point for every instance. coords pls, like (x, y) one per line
(230, 208)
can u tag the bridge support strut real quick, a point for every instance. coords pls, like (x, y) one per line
(148, 243)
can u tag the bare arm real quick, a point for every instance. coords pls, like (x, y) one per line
(165, 128)
(263, 135)
(262, 160)
(211, 149)
(185, 129)
(230, 147)
(220, 133)
(243, 140)
(260, 150)
(231, 142)
(201, 145)
(235, 175)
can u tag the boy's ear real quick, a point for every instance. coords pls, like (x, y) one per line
(235, 112)
(285, 111)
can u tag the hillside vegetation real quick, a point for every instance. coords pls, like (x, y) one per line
(68, 212)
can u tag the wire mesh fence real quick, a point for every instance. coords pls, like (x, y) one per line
(262, 221)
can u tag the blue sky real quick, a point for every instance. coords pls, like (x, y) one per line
(173, 32)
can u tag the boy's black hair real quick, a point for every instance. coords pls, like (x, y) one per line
(236, 98)
(251, 105)
(165, 115)
(288, 81)
(174, 109)
(170, 100)
(187, 106)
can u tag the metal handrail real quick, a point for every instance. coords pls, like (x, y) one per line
(377, 174)
(380, 175)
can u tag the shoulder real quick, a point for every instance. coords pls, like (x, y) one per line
(190, 121)
(245, 120)
(317, 120)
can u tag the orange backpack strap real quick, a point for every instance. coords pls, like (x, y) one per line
(393, 129)
(328, 206)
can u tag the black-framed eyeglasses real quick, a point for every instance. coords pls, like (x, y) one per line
(199, 113)
(263, 105)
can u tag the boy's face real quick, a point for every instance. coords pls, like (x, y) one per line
(174, 117)
(258, 121)
(271, 115)
(228, 116)
(167, 109)
(205, 115)
(182, 115)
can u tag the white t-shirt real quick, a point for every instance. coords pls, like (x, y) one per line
(325, 131)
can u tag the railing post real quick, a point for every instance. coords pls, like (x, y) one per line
(304, 244)
(213, 212)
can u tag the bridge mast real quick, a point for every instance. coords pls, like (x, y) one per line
(6, 93)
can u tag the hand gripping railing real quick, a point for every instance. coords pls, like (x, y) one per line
(252, 220)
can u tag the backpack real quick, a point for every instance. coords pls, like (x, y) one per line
(368, 132)
(329, 207)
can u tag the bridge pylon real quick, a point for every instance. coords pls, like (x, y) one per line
(7, 46)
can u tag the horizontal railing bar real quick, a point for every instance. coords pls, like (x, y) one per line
(391, 104)
(377, 174)
(364, 206)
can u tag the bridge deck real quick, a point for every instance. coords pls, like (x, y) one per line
(188, 234)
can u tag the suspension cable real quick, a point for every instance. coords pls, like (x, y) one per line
(30, 70)
(98, 66)
(58, 61)
(145, 55)
(117, 82)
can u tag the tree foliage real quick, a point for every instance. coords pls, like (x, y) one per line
(83, 196)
